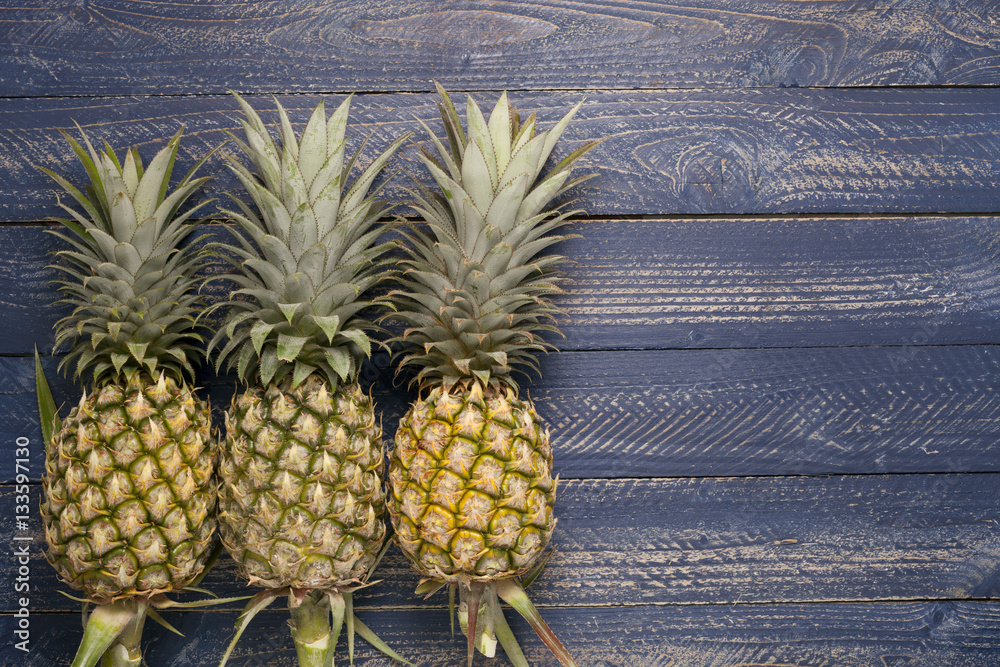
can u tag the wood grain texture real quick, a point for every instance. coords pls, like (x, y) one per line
(711, 541)
(749, 412)
(919, 634)
(787, 282)
(700, 413)
(777, 415)
(692, 283)
(112, 47)
(667, 152)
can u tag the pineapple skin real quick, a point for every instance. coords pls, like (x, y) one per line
(301, 504)
(129, 490)
(471, 491)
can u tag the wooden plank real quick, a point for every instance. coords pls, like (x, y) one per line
(693, 283)
(709, 541)
(117, 47)
(667, 152)
(704, 412)
(781, 282)
(748, 412)
(856, 635)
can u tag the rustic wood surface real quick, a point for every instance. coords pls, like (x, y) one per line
(705, 412)
(739, 540)
(901, 634)
(113, 47)
(693, 283)
(776, 415)
(666, 152)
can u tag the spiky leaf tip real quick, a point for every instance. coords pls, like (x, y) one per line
(479, 276)
(308, 256)
(129, 270)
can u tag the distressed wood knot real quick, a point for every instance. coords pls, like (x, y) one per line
(805, 66)
(707, 171)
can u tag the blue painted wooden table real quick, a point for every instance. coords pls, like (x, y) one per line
(776, 415)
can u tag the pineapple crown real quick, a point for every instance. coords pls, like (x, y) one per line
(477, 285)
(128, 279)
(305, 263)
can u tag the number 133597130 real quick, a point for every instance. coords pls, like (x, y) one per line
(22, 540)
(22, 499)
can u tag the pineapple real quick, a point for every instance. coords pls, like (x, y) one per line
(129, 489)
(301, 498)
(471, 492)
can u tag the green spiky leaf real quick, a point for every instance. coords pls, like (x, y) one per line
(48, 413)
(511, 592)
(340, 361)
(478, 280)
(506, 637)
(288, 310)
(256, 604)
(329, 324)
(359, 338)
(159, 620)
(369, 636)
(308, 260)
(290, 346)
(259, 333)
(429, 587)
(128, 266)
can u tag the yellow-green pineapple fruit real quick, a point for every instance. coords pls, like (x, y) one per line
(471, 491)
(301, 500)
(129, 507)
(472, 488)
(129, 489)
